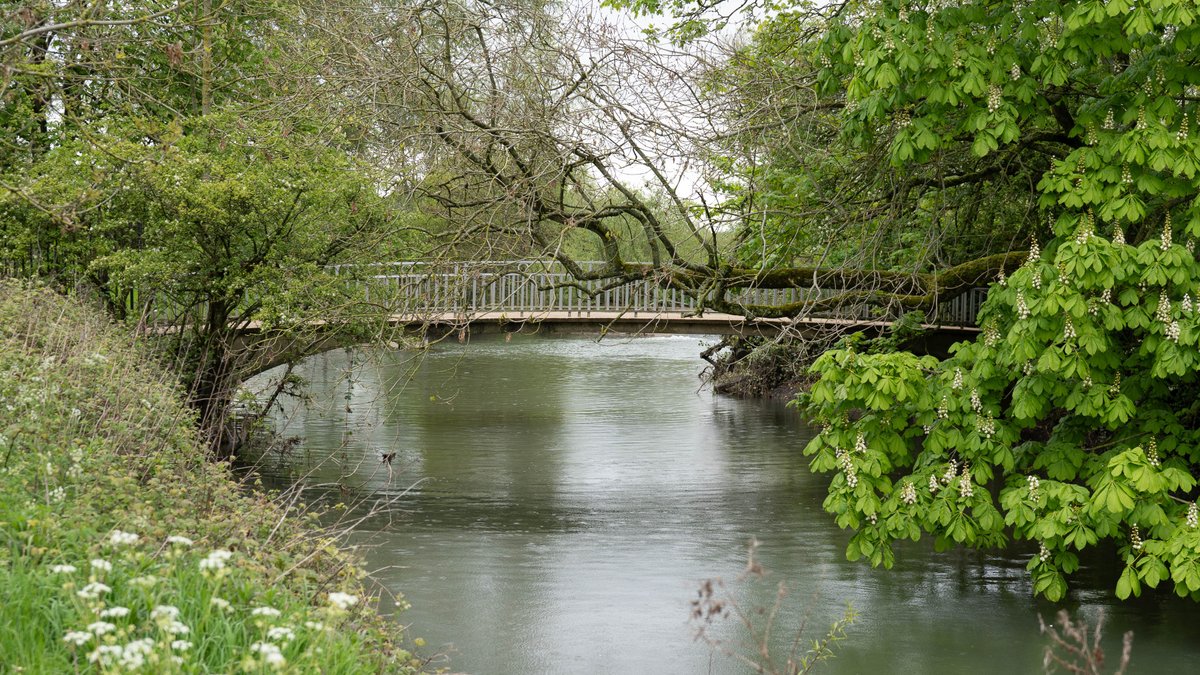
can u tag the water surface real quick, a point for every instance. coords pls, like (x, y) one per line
(553, 505)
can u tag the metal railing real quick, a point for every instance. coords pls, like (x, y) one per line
(539, 287)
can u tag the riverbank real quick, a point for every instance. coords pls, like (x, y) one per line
(126, 548)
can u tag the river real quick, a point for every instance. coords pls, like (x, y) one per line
(553, 505)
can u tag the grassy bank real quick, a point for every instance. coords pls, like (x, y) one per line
(125, 549)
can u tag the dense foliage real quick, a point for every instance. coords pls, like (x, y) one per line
(1072, 419)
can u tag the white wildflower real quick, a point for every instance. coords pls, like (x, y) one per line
(102, 565)
(216, 560)
(908, 493)
(115, 613)
(101, 627)
(181, 645)
(164, 613)
(77, 637)
(1193, 516)
(106, 655)
(280, 634)
(93, 590)
(220, 603)
(958, 379)
(265, 611)
(270, 653)
(342, 601)
(181, 541)
(134, 654)
(62, 569)
(119, 538)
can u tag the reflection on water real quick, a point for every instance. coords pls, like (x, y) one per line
(553, 504)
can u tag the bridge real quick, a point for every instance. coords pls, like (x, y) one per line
(535, 294)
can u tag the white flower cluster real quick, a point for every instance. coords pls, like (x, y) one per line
(860, 446)
(269, 612)
(966, 487)
(179, 540)
(167, 618)
(1119, 236)
(1034, 252)
(62, 569)
(1141, 118)
(934, 485)
(1193, 516)
(1001, 279)
(281, 634)
(101, 565)
(1135, 538)
(1043, 552)
(77, 638)
(991, 335)
(1028, 368)
(1183, 130)
(128, 657)
(1173, 331)
(986, 425)
(1034, 485)
(958, 379)
(1068, 329)
(1022, 308)
(1166, 233)
(1084, 234)
(1169, 34)
(908, 493)
(844, 461)
(1190, 246)
(1109, 122)
(115, 613)
(93, 591)
(1152, 452)
(1015, 72)
(951, 472)
(119, 538)
(976, 402)
(1114, 389)
(270, 654)
(215, 560)
(943, 410)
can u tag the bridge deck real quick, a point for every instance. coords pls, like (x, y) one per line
(709, 323)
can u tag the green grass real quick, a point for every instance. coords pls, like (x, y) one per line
(95, 443)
